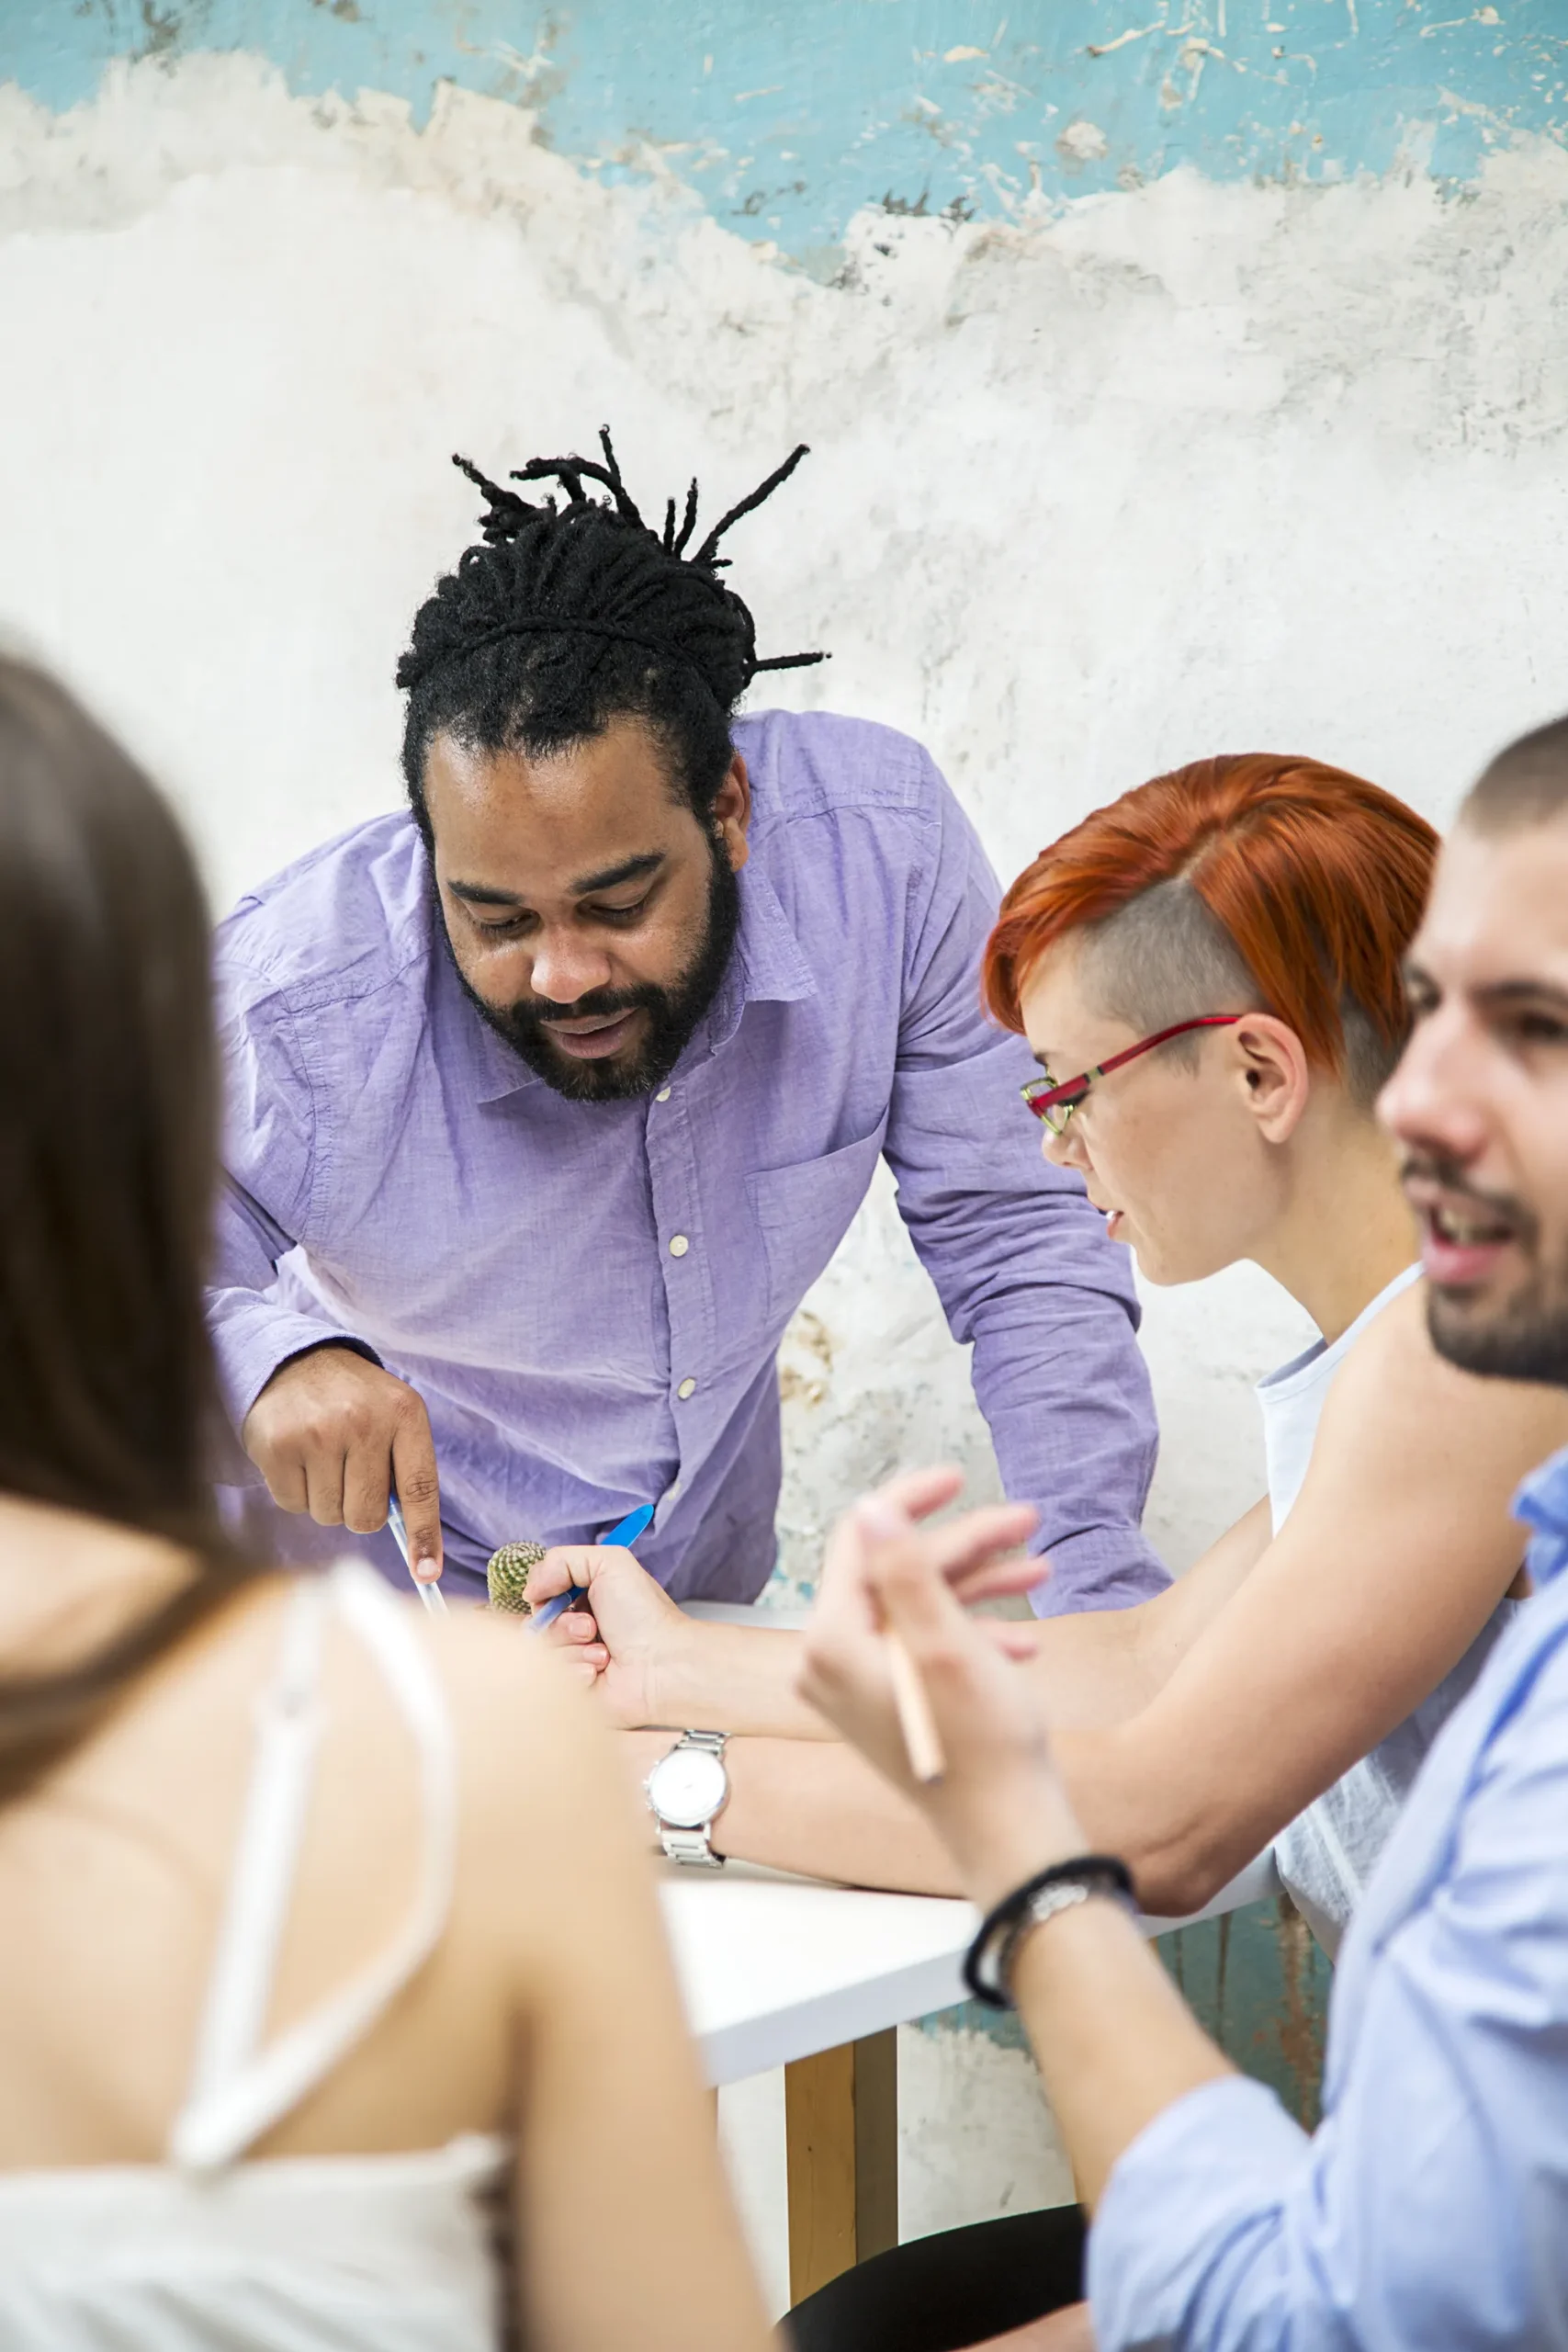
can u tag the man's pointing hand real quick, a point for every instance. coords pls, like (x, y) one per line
(334, 1435)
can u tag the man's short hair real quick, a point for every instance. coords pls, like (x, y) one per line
(1527, 783)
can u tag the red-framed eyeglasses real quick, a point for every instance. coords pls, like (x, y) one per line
(1056, 1104)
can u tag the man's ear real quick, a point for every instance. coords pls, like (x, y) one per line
(732, 812)
(1272, 1066)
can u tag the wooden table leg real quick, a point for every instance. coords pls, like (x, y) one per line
(842, 2134)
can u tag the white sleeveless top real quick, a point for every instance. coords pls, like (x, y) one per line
(1326, 1855)
(206, 2252)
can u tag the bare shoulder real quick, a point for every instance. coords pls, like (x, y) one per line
(1395, 1400)
(543, 1780)
(516, 1702)
(491, 1659)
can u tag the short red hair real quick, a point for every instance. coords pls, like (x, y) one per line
(1315, 877)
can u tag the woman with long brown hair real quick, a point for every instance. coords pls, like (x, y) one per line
(328, 1950)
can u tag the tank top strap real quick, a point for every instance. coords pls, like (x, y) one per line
(240, 2089)
(1292, 1401)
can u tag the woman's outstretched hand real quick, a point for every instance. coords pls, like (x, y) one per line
(998, 1805)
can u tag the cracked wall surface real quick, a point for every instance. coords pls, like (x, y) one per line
(785, 121)
(1192, 467)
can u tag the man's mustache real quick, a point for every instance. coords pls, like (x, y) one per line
(599, 1004)
(1437, 1167)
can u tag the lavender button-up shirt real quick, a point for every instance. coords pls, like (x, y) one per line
(589, 1297)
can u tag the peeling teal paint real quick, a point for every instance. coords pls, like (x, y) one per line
(785, 120)
(1257, 1983)
(1260, 1984)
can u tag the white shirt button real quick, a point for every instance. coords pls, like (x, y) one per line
(679, 1245)
(687, 1388)
(662, 1095)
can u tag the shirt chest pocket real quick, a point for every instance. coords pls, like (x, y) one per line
(802, 1212)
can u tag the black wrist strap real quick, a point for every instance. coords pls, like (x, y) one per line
(987, 1964)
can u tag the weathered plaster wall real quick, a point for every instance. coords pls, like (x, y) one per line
(1192, 465)
(786, 120)
(1263, 449)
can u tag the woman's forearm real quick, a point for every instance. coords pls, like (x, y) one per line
(801, 1801)
(816, 1807)
(1087, 1670)
(821, 1809)
(735, 1679)
(1090, 1669)
(1103, 1666)
(1181, 1811)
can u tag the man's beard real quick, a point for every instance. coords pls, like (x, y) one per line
(1525, 1336)
(672, 1012)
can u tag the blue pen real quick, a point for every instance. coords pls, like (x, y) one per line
(630, 1528)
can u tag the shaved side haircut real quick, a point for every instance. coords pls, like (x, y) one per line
(1163, 958)
(1253, 882)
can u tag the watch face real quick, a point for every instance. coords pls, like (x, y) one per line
(687, 1788)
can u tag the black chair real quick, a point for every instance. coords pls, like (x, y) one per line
(944, 2292)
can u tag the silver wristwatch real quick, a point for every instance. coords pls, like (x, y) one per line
(686, 1791)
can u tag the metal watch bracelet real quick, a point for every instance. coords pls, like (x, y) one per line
(694, 1847)
(687, 1842)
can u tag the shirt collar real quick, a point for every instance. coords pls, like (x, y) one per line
(768, 967)
(501, 1071)
(1542, 1503)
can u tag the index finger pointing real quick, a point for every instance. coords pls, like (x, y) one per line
(419, 1494)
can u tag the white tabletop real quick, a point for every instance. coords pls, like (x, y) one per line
(775, 1968)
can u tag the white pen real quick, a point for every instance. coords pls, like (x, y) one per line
(432, 1595)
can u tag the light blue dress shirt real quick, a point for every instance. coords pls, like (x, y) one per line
(590, 1295)
(1431, 2208)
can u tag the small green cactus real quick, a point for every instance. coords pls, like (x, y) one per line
(508, 1574)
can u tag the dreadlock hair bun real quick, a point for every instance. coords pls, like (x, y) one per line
(564, 617)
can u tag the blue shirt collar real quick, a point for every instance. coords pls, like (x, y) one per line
(1542, 1503)
(768, 967)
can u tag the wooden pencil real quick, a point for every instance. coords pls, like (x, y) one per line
(922, 1742)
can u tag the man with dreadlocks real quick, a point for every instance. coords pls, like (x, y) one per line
(549, 1100)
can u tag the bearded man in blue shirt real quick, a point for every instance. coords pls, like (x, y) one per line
(551, 1095)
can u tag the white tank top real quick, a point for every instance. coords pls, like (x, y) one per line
(1326, 1855)
(206, 2252)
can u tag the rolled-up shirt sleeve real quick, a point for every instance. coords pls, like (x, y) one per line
(1017, 1251)
(1431, 2207)
(269, 1154)
(1190, 2246)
